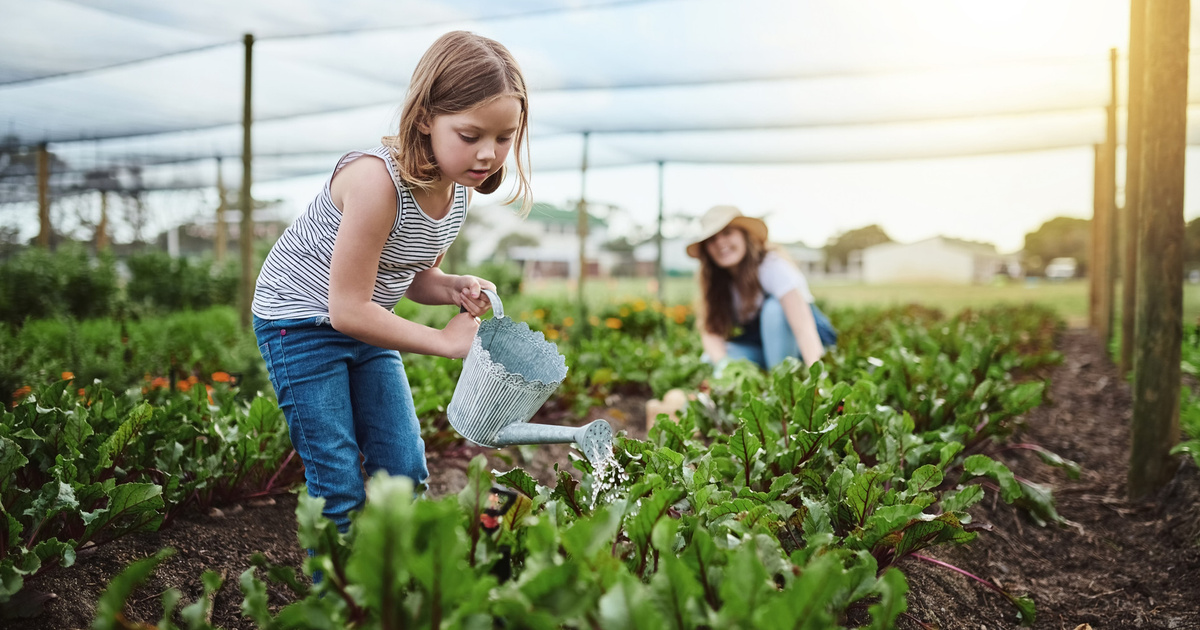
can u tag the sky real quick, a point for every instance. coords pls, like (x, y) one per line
(889, 90)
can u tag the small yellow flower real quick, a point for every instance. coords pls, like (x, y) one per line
(568, 322)
(613, 323)
(639, 305)
(624, 312)
(551, 334)
(67, 376)
(539, 314)
(593, 320)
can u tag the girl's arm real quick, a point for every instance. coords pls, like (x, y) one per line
(367, 197)
(435, 287)
(804, 327)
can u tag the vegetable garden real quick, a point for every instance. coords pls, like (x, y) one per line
(870, 491)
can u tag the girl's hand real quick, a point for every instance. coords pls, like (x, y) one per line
(458, 334)
(468, 294)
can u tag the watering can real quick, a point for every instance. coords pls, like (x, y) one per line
(507, 375)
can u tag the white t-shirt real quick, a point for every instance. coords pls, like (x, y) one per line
(777, 276)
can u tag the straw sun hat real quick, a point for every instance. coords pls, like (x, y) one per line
(717, 218)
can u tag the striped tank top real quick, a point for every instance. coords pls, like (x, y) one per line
(294, 281)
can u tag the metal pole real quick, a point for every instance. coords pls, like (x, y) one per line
(583, 221)
(1155, 427)
(1133, 180)
(246, 234)
(102, 229)
(222, 232)
(658, 239)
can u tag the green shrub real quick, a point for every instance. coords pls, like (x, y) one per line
(37, 283)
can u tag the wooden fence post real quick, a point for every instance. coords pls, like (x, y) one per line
(1155, 426)
(43, 195)
(1133, 180)
(246, 233)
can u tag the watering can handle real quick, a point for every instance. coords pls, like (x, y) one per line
(497, 305)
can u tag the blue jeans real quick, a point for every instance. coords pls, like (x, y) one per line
(778, 341)
(342, 398)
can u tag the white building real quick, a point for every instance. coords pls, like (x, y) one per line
(554, 230)
(937, 259)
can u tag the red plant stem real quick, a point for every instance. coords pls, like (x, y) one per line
(946, 565)
(282, 466)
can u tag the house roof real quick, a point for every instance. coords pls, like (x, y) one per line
(974, 247)
(550, 214)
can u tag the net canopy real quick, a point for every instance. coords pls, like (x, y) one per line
(147, 94)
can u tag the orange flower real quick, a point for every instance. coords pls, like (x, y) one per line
(67, 376)
(551, 334)
(183, 386)
(220, 377)
(568, 322)
(81, 391)
(22, 392)
(613, 323)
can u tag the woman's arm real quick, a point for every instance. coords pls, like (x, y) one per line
(367, 197)
(714, 346)
(804, 327)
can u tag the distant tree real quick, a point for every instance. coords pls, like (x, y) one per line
(1060, 237)
(1191, 245)
(511, 240)
(839, 247)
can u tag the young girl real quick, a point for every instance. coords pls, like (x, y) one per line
(746, 285)
(375, 233)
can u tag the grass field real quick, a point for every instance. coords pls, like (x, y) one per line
(1069, 298)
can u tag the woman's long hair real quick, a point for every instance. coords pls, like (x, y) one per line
(717, 285)
(460, 72)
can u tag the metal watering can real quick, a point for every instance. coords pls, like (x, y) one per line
(507, 375)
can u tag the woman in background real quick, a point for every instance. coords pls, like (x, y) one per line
(754, 303)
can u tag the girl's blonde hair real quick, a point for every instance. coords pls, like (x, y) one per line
(717, 285)
(459, 72)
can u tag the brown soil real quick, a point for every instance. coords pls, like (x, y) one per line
(1117, 565)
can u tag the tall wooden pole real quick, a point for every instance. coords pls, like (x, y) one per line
(246, 234)
(43, 187)
(1108, 235)
(583, 222)
(660, 272)
(1133, 180)
(1160, 277)
(1095, 264)
(222, 231)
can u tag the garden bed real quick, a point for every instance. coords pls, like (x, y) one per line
(1119, 565)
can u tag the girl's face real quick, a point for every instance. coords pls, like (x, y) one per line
(471, 145)
(727, 248)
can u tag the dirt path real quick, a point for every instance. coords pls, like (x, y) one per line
(1120, 565)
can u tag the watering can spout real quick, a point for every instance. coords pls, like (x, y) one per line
(594, 439)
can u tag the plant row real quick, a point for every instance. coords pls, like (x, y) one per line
(81, 467)
(792, 498)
